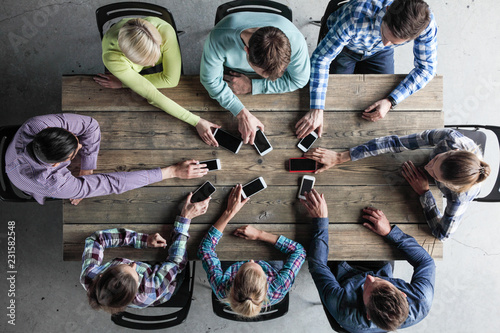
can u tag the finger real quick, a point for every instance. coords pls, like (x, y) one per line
(371, 107)
(320, 170)
(188, 199)
(369, 226)
(235, 73)
(299, 122)
(211, 139)
(251, 138)
(370, 218)
(104, 76)
(320, 130)
(227, 78)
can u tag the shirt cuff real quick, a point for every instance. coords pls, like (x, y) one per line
(427, 199)
(214, 233)
(236, 108)
(257, 86)
(154, 176)
(181, 225)
(320, 223)
(88, 162)
(395, 234)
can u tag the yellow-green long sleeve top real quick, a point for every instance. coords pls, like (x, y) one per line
(147, 86)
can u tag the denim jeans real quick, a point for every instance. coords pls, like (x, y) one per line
(350, 62)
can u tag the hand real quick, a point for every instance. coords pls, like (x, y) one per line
(315, 204)
(204, 129)
(327, 158)
(156, 241)
(185, 170)
(378, 222)
(239, 83)
(234, 203)
(86, 172)
(415, 177)
(75, 201)
(311, 121)
(377, 110)
(108, 81)
(192, 210)
(247, 125)
(248, 232)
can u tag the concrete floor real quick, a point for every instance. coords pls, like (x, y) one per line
(42, 40)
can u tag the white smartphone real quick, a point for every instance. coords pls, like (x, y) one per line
(306, 186)
(203, 192)
(212, 164)
(307, 142)
(228, 141)
(253, 187)
(261, 143)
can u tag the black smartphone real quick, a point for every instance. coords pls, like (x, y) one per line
(307, 142)
(203, 192)
(261, 143)
(302, 164)
(228, 141)
(212, 164)
(253, 187)
(306, 186)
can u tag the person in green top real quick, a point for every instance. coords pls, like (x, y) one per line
(132, 44)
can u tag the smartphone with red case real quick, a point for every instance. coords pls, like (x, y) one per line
(302, 164)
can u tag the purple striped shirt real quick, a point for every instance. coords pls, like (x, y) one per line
(42, 180)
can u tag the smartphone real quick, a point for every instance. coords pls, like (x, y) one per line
(212, 164)
(203, 192)
(306, 186)
(255, 186)
(228, 141)
(302, 164)
(307, 142)
(261, 143)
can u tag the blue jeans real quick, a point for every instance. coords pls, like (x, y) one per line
(350, 62)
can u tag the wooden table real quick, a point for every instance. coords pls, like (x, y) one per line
(136, 135)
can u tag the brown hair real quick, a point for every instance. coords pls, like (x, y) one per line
(269, 49)
(248, 292)
(140, 41)
(462, 169)
(387, 308)
(112, 290)
(407, 18)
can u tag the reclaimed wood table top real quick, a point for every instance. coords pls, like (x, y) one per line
(136, 135)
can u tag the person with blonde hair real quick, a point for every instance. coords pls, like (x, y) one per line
(248, 286)
(455, 163)
(122, 282)
(132, 45)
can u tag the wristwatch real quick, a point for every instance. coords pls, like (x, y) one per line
(393, 102)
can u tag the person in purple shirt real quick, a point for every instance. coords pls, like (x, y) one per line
(38, 157)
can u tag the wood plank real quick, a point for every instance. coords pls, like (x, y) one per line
(156, 130)
(276, 204)
(347, 242)
(380, 170)
(345, 92)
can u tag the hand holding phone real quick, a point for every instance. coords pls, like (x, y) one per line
(203, 192)
(212, 164)
(306, 185)
(306, 143)
(261, 143)
(227, 140)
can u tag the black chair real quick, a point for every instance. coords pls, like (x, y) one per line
(8, 192)
(479, 137)
(112, 11)
(265, 6)
(182, 299)
(333, 5)
(267, 313)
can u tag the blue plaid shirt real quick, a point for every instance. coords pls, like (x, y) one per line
(156, 282)
(279, 283)
(356, 25)
(443, 140)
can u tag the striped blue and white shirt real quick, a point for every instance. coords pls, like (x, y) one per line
(356, 26)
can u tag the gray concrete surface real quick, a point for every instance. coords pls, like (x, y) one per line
(42, 40)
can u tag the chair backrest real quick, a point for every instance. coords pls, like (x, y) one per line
(333, 5)
(265, 6)
(268, 313)
(182, 299)
(8, 192)
(112, 11)
(479, 138)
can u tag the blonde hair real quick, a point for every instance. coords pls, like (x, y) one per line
(248, 293)
(462, 169)
(140, 41)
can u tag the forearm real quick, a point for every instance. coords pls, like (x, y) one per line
(267, 237)
(223, 220)
(177, 251)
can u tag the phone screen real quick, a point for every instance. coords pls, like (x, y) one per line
(211, 164)
(261, 142)
(227, 140)
(203, 192)
(253, 187)
(308, 141)
(302, 164)
(307, 185)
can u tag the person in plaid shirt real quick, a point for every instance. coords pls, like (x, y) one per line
(122, 282)
(247, 286)
(361, 39)
(454, 163)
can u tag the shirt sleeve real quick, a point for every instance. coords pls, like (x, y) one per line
(295, 77)
(424, 268)
(340, 31)
(212, 74)
(93, 253)
(425, 55)
(211, 263)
